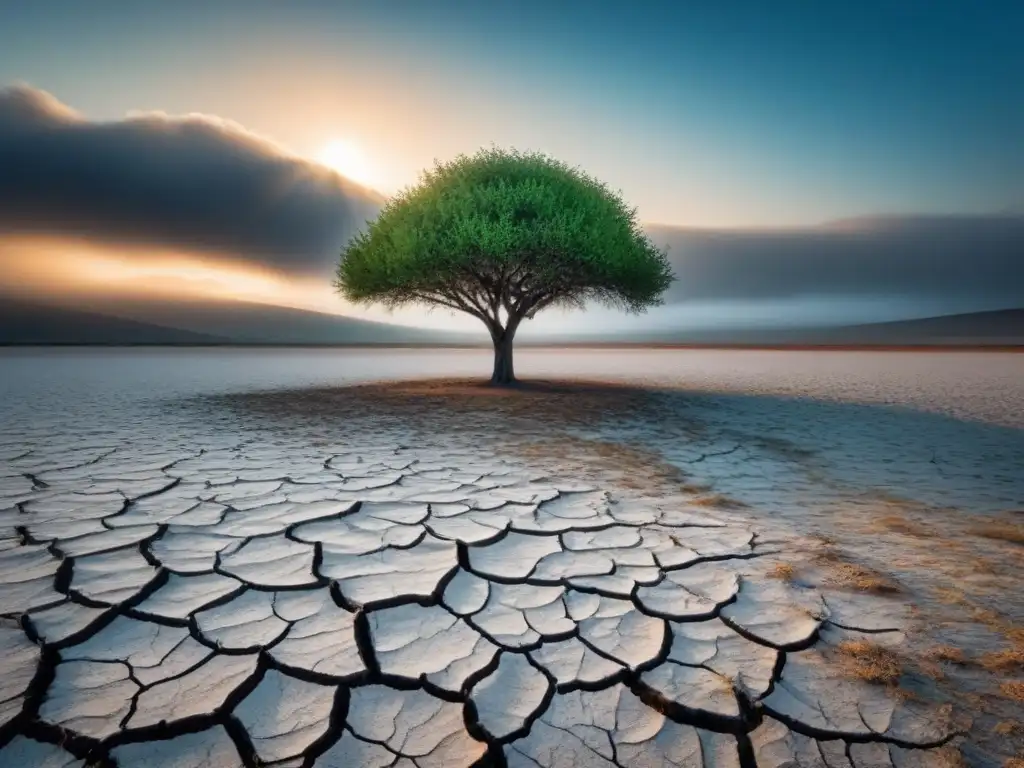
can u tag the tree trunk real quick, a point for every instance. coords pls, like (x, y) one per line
(504, 373)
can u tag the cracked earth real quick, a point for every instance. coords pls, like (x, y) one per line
(255, 581)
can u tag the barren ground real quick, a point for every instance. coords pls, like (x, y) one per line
(437, 573)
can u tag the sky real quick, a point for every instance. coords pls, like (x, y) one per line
(732, 117)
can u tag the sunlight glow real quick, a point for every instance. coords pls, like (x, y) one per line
(44, 268)
(350, 161)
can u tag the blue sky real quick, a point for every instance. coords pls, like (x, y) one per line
(731, 114)
(762, 119)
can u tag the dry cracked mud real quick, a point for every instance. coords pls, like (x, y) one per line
(333, 593)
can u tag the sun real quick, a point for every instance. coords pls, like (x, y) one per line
(349, 160)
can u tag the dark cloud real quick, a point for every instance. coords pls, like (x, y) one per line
(201, 183)
(976, 257)
(191, 182)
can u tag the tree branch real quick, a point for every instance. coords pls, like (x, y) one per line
(437, 300)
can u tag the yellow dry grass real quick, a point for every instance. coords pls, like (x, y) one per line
(947, 653)
(1008, 728)
(999, 530)
(996, 621)
(784, 571)
(1008, 660)
(1013, 689)
(870, 662)
(948, 757)
(718, 501)
(902, 525)
(844, 573)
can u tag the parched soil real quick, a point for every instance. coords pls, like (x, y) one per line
(458, 574)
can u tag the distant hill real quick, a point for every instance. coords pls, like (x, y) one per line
(248, 323)
(1001, 327)
(1004, 326)
(25, 323)
(198, 323)
(194, 322)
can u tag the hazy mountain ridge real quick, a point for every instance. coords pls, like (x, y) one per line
(999, 324)
(26, 323)
(998, 327)
(184, 323)
(194, 322)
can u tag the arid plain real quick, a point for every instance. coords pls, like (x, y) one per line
(343, 557)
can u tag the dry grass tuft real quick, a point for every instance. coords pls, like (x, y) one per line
(996, 621)
(948, 756)
(1008, 728)
(1013, 689)
(859, 577)
(902, 525)
(999, 530)
(1004, 661)
(718, 501)
(870, 662)
(951, 596)
(784, 571)
(1014, 634)
(947, 653)
(1014, 762)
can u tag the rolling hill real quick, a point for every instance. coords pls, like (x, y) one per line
(995, 328)
(137, 322)
(1005, 326)
(26, 323)
(186, 323)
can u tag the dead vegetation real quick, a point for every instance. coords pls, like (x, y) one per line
(949, 756)
(903, 525)
(870, 662)
(1009, 660)
(947, 653)
(942, 537)
(999, 530)
(850, 575)
(1013, 689)
(718, 501)
(783, 571)
(844, 573)
(996, 621)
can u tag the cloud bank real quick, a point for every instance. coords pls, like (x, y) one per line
(196, 183)
(205, 185)
(956, 257)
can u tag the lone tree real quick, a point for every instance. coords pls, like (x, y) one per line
(501, 235)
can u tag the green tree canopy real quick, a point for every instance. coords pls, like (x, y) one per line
(501, 235)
